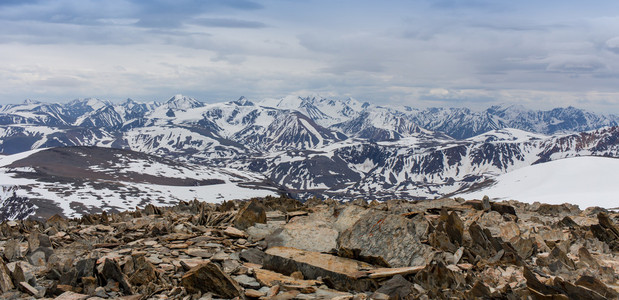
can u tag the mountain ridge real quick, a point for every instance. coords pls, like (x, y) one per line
(342, 149)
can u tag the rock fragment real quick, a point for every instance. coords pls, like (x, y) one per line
(111, 271)
(6, 283)
(396, 288)
(12, 250)
(209, 277)
(606, 231)
(253, 212)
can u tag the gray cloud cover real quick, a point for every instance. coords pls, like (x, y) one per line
(418, 53)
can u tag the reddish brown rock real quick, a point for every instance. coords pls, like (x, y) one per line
(6, 283)
(209, 277)
(253, 212)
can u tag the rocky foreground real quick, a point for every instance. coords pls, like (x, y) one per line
(278, 248)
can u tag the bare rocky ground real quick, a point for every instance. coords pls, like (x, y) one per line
(278, 248)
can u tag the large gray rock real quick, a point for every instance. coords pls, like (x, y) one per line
(12, 250)
(261, 231)
(384, 239)
(347, 217)
(319, 230)
(307, 234)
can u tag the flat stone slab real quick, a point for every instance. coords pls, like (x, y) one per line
(390, 272)
(270, 278)
(337, 272)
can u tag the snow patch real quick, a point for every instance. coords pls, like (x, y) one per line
(583, 181)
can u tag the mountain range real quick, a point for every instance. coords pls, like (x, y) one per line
(308, 146)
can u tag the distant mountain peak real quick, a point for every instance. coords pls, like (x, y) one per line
(92, 103)
(30, 101)
(183, 102)
(243, 102)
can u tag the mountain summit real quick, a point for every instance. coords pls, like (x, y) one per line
(182, 102)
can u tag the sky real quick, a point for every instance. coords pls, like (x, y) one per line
(422, 53)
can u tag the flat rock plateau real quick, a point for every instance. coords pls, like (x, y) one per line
(279, 248)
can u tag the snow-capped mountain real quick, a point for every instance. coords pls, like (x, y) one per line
(313, 145)
(244, 126)
(183, 103)
(422, 168)
(74, 181)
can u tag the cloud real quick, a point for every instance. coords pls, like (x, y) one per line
(81, 12)
(227, 23)
(63, 81)
(172, 14)
(582, 64)
(465, 4)
(159, 13)
(409, 52)
(613, 44)
(343, 67)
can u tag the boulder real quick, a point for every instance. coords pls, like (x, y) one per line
(40, 256)
(209, 277)
(306, 234)
(585, 256)
(454, 228)
(253, 256)
(606, 231)
(234, 233)
(37, 240)
(247, 281)
(143, 271)
(12, 250)
(6, 283)
(384, 239)
(595, 284)
(18, 274)
(574, 291)
(111, 271)
(337, 272)
(259, 231)
(86, 267)
(347, 217)
(58, 222)
(555, 210)
(396, 288)
(437, 278)
(501, 208)
(253, 212)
